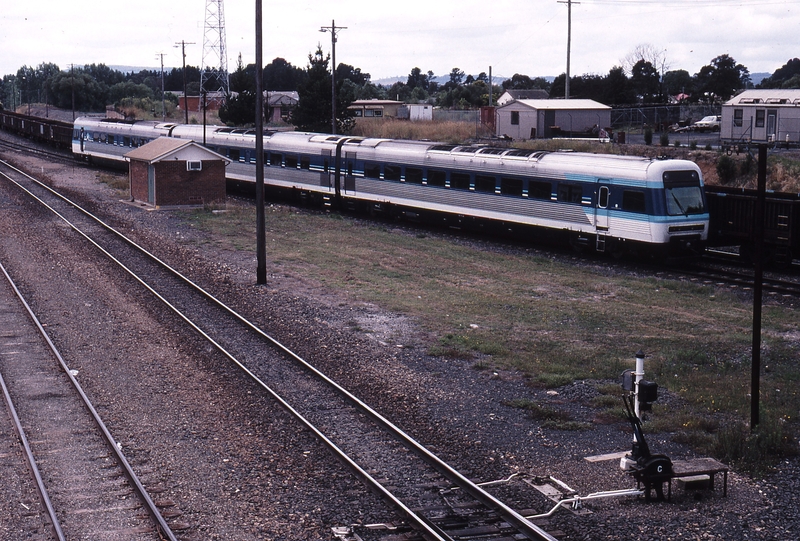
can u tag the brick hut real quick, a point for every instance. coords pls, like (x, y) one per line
(176, 172)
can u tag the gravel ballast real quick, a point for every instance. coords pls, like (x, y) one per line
(236, 467)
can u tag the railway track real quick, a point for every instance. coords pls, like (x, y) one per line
(84, 486)
(399, 469)
(739, 276)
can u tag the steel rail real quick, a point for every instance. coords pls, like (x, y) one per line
(152, 509)
(514, 518)
(29, 458)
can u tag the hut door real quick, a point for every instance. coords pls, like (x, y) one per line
(151, 185)
(772, 118)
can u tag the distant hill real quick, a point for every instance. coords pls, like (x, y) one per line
(756, 78)
(442, 79)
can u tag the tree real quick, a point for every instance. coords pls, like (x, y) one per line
(243, 79)
(618, 89)
(523, 82)
(645, 81)
(719, 80)
(313, 112)
(649, 53)
(782, 75)
(678, 82)
(239, 110)
(282, 75)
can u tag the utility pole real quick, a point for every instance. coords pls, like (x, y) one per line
(163, 110)
(183, 45)
(261, 235)
(333, 29)
(569, 41)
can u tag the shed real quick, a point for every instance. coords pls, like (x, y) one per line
(375, 109)
(532, 119)
(173, 172)
(762, 116)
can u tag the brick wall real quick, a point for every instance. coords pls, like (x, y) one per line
(177, 186)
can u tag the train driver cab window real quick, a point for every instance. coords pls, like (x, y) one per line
(569, 193)
(683, 193)
(633, 201)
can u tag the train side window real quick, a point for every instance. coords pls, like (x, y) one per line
(372, 170)
(275, 159)
(484, 183)
(291, 162)
(126, 141)
(459, 181)
(413, 175)
(539, 190)
(569, 193)
(436, 178)
(95, 137)
(391, 172)
(233, 154)
(511, 186)
(266, 158)
(633, 201)
(305, 162)
(325, 165)
(602, 197)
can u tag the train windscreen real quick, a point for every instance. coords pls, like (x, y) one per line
(683, 193)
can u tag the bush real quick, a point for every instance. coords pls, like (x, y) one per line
(692, 145)
(648, 136)
(664, 139)
(726, 169)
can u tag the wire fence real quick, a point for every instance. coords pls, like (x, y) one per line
(661, 117)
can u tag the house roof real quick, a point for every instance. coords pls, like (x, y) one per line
(557, 105)
(165, 148)
(772, 96)
(530, 94)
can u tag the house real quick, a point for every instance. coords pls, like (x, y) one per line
(280, 105)
(532, 119)
(530, 94)
(762, 116)
(375, 109)
(172, 172)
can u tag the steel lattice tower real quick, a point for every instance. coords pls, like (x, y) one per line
(214, 68)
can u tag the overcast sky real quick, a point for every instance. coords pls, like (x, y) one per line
(388, 39)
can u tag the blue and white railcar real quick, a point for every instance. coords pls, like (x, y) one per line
(108, 140)
(602, 202)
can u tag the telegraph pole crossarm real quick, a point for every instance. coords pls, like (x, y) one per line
(333, 29)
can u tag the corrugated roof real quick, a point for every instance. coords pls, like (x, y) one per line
(560, 104)
(159, 149)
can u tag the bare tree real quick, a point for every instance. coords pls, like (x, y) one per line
(649, 53)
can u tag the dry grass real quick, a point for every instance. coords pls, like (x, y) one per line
(446, 132)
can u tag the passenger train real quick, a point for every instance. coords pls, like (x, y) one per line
(598, 202)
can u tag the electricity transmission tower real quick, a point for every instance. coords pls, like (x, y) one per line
(214, 68)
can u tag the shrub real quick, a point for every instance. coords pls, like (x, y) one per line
(664, 139)
(693, 145)
(648, 136)
(726, 169)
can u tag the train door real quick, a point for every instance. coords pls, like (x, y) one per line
(601, 214)
(347, 170)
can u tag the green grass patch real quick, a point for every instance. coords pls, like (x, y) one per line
(555, 321)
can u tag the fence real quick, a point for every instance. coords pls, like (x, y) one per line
(661, 116)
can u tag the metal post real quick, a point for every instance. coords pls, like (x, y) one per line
(333, 29)
(758, 283)
(639, 375)
(261, 236)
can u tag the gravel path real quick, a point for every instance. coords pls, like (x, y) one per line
(277, 483)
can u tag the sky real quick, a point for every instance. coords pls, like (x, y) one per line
(389, 39)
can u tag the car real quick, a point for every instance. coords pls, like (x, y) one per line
(707, 123)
